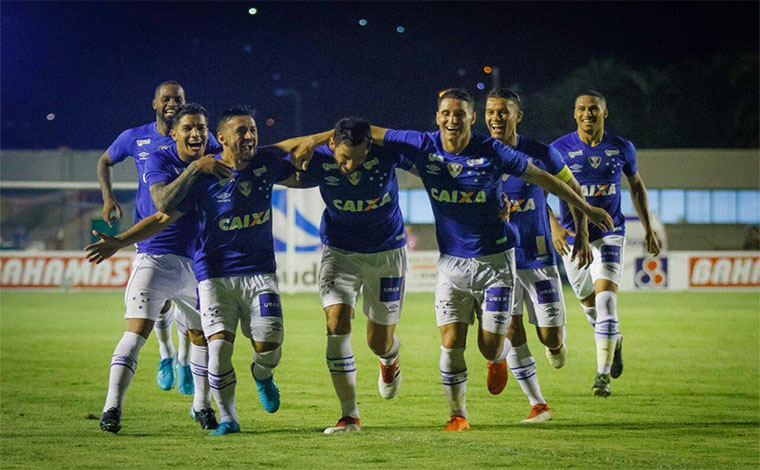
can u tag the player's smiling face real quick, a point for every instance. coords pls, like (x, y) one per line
(240, 136)
(590, 113)
(167, 102)
(455, 118)
(191, 135)
(349, 158)
(502, 116)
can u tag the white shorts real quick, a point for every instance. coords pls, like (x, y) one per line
(540, 290)
(158, 278)
(607, 264)
(253, 300)
(379, 276)
(470, 287)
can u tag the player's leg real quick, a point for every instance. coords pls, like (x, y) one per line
(339, 286)
(497, 376)
(184, 352)
(219, 316)
(143, 301)
(262, 322)
(166, 375)
(493, 287)
(606, 271)
(383, 294)
(547, 311)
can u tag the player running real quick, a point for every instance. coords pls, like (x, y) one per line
(597, 160)
(234, 260)
(362, 230)
(162, 272)
(138, 143)
(538, 284)
(462, 174)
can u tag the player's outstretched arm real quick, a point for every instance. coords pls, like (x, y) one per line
(301, 149)
(554, 185)
(107, 246)
(111, 208)
(378, 135)
(166, 197)
(581, 249)
(641, 204)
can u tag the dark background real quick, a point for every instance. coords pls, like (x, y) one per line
(675, 74)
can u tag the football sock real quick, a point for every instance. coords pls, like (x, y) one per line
(184, 347)
(265, 362)
(504, 352)
(221, 378)
(454, 379)
(523, 367)
(590, 315)
(199, 368)
(123, 367)
(606, 330)
(164, 335)
(391, 355)
(342, 367)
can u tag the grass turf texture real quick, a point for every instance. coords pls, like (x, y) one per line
(688, 397)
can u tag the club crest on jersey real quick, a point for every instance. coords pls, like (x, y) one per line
(354, 177)
(576, 153)
(432, 169)
(332, 180)
(595, 161)
(141, 142)
(505, 177)
(475, 161)
(329, 166)
(454, 169)
(434, 157)
(610, 153)
(368, 165)
(245, 187)
(259, 171)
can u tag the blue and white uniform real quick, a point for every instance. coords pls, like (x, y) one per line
(476, 267)
(162, 269)
(362, 230)
(538, 286)
(234, 259)
(598, 169)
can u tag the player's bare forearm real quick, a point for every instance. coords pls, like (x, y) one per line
(579, 218)
(640, 200)
(147, 227)
(166, 197)
(105, 172)
(378, 135)
(297, 181)
(313, 141)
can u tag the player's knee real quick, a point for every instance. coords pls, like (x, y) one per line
(225, 335)
(269, 358)
(338, 319)
(141, 326)
(516, 331)
(166, 307)
(196, 337)
(550, 337)
(589, 301)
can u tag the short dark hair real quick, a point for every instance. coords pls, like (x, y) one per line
(457, 94)
(189, 108)
(352, 132)
(232, 111)
(507, 94)
(167, 82)
(592, 93)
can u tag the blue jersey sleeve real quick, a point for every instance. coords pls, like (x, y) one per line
(554, 161)
(408, 142)
(121, 147)
(404, 163)
(510, 161)
(157, 171)
(629, 168)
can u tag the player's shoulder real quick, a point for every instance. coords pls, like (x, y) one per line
(270, 154)
(618, 141)
(142, 131)
(532, 147)
(564, 141)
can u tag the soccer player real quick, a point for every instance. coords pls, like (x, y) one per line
(138, 143)
(538, 284)
(362, 230)
(162, 272)
(234, 260)
(597, 159)
(461, 172)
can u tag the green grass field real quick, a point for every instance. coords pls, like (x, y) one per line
(689, 397)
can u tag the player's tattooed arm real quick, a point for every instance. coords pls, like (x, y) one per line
(111, 208)
(301, 149)
(641, 204)
(167, 197)
(107, 246)
(554, 185)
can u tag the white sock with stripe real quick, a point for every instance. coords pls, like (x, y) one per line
(123, 368)
(199, 368)
(454, 379)
(606, 330)
(342, 367)
(222, 379)
(523, 367)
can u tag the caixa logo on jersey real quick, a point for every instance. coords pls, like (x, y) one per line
(651, 273)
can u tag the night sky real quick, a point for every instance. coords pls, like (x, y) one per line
(94, 65)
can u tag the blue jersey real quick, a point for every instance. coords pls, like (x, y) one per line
(179, 238)
(464, 190)
(535, 249)
(139, 143)
(598, 171)
(235, 217)
(362, 213)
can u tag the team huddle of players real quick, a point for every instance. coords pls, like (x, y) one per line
(205, 250)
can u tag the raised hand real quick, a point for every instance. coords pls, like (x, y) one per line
(102, 249)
